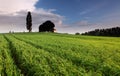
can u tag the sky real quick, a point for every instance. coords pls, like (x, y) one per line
(69, 16)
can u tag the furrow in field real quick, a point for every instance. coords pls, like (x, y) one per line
(39, 62)
(8, 66)
(12, 56)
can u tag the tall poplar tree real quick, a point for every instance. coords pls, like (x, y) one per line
(29, 21)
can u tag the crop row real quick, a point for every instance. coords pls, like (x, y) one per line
(7, 64)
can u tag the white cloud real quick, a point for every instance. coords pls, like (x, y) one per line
(13, 15)
(18, 21)
(12, 6)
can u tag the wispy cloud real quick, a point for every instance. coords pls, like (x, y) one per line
(85, 11)
(84, 26)
(93, 8)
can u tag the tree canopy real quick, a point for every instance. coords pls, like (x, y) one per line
(47, 26)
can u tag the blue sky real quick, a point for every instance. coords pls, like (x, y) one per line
(77, 10)
(69, 16)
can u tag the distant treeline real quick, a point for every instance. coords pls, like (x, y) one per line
(115, 31)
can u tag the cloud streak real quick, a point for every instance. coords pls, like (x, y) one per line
(94, 8)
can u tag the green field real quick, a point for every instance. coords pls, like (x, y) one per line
(53, 54)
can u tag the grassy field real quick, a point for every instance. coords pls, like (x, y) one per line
(52, 54)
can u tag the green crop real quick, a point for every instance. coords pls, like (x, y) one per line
(53, 54)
